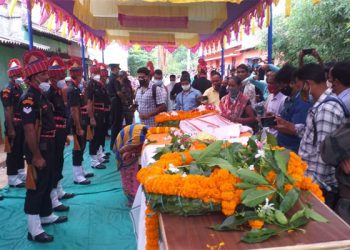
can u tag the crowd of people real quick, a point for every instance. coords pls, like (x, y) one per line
(305, 108)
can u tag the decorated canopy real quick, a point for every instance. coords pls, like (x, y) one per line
(171, 23)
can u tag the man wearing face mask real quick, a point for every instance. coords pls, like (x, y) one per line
(96, 93)
(127, 97)
(14, 135)
(79, 121)
(339, 78)
(326, 115)
(149, 99)
(57, 73)
(291, 123)
(169, 87)
(114, 92)
(158, 81)
(188, 98)
(39, 130)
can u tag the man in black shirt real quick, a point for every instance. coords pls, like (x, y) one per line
(79, 120)
(10, 97)
(39, 131)
(57, 73)
(202, 83)
(114, 90)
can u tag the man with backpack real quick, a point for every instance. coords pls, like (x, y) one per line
(326, 115)
(149, 98)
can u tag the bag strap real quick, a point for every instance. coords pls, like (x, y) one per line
(154, 93)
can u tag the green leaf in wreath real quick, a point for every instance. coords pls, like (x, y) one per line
(235, 221)
(195, 154)
(251, 177)
(222, 163)
(280, 180)
(212, 150)
(256, 236)
(256, 197)
(282, 158)
(244, 185)
(271, 139)
(252, 144)
(289, 200)
(195, 170)
(247, 192)
(312, 214)
(298, 219)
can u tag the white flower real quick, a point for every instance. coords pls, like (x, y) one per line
(251, 168)
(146, 141)
(173, 169)
(201, 108)
(184, 175)
(268, 206)
(261, 153)
(182, 147)
(179, 141)
(174, 113)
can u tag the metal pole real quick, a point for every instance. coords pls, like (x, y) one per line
(83, 54)
(269, 39)
(103, 55)
(30, 30)
(222, 58)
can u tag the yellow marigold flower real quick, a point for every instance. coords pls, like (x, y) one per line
(271, 176)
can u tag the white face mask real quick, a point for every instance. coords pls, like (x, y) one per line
(44, 86)
(61, 84)
(158, 82)
(97, 78)
(186, 87)
(19, 80)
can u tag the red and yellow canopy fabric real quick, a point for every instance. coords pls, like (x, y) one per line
(172, 23)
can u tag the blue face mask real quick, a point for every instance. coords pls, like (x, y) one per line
(44, 86)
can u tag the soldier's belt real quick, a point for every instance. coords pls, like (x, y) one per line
(61, 122)
(48, 134)
(99, 106)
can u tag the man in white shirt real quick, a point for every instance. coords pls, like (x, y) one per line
(275, 101)
(171, 103)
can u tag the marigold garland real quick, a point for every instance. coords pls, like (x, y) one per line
(152, 232)
(180, 115)
(219, 187)
(158, 130)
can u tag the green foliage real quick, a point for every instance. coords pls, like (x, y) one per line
(325, 27)
(138, 58)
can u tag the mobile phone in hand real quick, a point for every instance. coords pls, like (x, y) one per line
(307, 51)
(268, 121)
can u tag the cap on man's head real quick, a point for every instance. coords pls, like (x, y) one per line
(103, 69)
(75, 69)
(35, 61)
(94, 68)
(56, 67)
(14, 68)
(114, 65)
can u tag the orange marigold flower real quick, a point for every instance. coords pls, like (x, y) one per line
(256, 224)
(288, 187)
(271, 176)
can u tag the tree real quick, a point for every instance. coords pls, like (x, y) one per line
(138, 58)
(325, 27)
